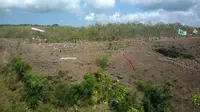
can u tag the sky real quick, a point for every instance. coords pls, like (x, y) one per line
(87, 12)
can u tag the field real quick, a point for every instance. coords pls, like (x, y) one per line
(167, 60)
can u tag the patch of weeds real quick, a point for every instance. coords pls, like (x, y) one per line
(156, 98)
(17, 65)
(196, 97)
(103, 62)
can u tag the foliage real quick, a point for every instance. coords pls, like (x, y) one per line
(156, 98)
(196, 98)
(95, 89)
(33, 85)
(17, 65)
(10, 100)
(46, 94)
(108, 32)
(103, 62)
(127, 103)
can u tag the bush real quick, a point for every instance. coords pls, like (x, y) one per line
(12, 81)
(61, 93)
(47, 93)
(80, 94)
(126, 103)
(196, 97)
(33, 86)
(156, 98)
(103, 63)
(10, 100)
(17, 65)
(95, 89)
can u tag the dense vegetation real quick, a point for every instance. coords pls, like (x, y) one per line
(56, 33)
(22, 90)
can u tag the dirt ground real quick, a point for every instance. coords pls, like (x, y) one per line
(182, 73)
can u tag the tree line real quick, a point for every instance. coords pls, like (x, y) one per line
(97, 32)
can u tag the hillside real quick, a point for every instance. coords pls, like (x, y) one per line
(166, 61)
(165, 77)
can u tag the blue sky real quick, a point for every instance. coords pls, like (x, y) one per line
(86, 12)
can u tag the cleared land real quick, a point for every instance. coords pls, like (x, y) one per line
(172, 61)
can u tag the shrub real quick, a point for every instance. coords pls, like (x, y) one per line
(17, 65)
(103, 62)
(196, 97)
(61, 96)
(12, 81)
(48, 90)
(10, 100)
(97, 88)
(75, 94)
(156, 98)
(33, 85)
(125, 103)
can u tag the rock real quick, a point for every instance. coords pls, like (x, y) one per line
(120, 77)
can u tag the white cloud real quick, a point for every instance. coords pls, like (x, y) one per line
(115, 17)
(184, 17)
(101, 4)
(90, 17)
(104, 19)
(182, 5)
(184, 11)
(196, 8)
(56, 5)
(42, 5)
